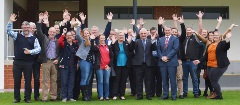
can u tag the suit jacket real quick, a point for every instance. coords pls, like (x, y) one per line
(170, 51)
(44, 40)
(138, 48)
(116, 50)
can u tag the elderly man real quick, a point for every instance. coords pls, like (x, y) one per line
(142, 62)
(49, 57)
(25, 46)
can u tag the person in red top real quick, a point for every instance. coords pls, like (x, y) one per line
(103, 63)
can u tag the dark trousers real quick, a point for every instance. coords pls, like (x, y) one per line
(132, 79)
(143, 72)
(59, 83)
(36, 75)
(214, 75)
(76, 88)
(157, 82)
(169, 72)
(91, 84)
(208, 83)
(20, 66)
(198, 76)
(119, 84)
(67, 79)
(111, 81)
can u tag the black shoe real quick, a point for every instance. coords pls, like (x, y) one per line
(184, 95)
(139, 98)
(28, 101)
(199, 92)
(196, 96)
(16, 101)
(181, 97)
(149, 97)
(44, 100)
(217, 98)
(37, 99)
(158, 95)
(174, 99)
(164, 98)
(53, 100)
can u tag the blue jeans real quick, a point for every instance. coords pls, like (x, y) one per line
(86, 72)
(103, 82)
(36, 75)
(67, 79)
(189, 67)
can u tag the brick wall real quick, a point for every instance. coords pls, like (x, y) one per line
(8, 78)
(166, 11)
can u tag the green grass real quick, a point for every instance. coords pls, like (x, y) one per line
(230, 98)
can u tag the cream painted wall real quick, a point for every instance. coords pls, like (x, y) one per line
(22, 3)
(96, 17)
(58, 5)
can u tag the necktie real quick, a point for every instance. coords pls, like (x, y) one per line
(166, 42)
(144, 47)
(185, 49)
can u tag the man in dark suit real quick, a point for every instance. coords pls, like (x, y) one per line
(142, 61)
(167, 52)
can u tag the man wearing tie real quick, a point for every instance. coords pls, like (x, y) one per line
(142, 62)
(167, 52)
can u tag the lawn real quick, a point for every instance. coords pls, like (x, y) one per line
(230, 98)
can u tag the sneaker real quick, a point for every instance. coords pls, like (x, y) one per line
(72, 99)
(64, 100)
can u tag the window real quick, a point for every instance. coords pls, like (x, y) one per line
(211, 12)
(124, 12)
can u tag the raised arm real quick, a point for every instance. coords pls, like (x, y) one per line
(11, 33)
(219, 19)
(40, 34)
(109, 25)
(160, 27)
(175, 19)
(83, 18)
(200, 37)
(200, 25)
(229, 30)
(183, 28)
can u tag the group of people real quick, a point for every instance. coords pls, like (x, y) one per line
(70, 54)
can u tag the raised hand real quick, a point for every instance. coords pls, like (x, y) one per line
(134, 34)
(141, 22)
(82, 16)
(129, 39)
(180, 19)
(219, 19)
(200, 14)
(40, 17)
(132, 22)
(174, 16)
(13, 18)
(161, 20)
(234, 25)
(109, 16)
(78, 22)
(45, 21)
(73, 22)
(65, 13)
(45, 15)
(65, 31)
